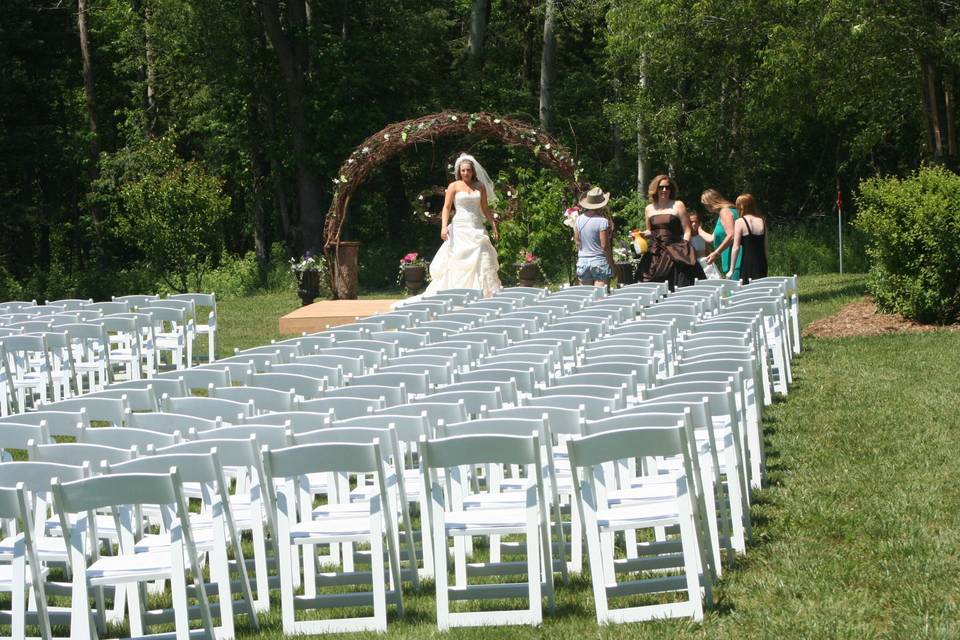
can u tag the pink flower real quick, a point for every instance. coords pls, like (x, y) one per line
(410, 257)
(530, 257)
(572, 211)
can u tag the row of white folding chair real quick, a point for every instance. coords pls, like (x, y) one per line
(774, 321)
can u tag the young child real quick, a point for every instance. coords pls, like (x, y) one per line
(699, 244)
(698, 241)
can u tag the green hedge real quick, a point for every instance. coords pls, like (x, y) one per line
(913, 231)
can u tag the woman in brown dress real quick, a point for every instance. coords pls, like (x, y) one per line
(671, 258)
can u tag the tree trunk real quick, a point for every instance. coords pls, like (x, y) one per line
(642, 169)
(479, 16)
(150, 96)
(91, 99)
(292, 59)
(547, 66)
(938, 107)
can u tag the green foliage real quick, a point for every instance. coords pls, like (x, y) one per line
(10, 289)
(810, 247)
(538, 227)
(237, 277)
(913, 231)
(169, 208)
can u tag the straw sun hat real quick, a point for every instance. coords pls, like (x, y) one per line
(595, 199)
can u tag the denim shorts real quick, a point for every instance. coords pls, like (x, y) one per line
(593, 269)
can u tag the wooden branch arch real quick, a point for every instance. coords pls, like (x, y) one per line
(397, 137)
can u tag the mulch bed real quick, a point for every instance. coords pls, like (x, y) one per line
(860, 318)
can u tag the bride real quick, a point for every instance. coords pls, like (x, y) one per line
(466, 259)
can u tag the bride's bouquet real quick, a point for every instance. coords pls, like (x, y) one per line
(570, 216)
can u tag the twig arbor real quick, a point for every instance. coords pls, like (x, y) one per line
(395, 138)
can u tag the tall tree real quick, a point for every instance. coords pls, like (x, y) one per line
(479, 16)
(547, 64)
(286, 32)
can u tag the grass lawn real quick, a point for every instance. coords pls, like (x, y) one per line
(858, 534)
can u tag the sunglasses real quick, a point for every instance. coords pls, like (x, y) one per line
(663, 186)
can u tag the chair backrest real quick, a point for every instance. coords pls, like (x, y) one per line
(58, 423)
(436, 373)
(643, 372)
(542, 369)
(404, 339)
(75, 453)
(305, 386)
(18, 435)
(229, 411)
(524, 379)
(413, 382)
(195, 378)
(463, 354)
(173, 387)
(436, 412)
(110, 410)
(591, 407)
(269, 435)
(475, 401)
(371, 357)
(343, 406)
(297, 420)
(109, 308)
(389, 349)
(350, 365)
(262, 398)
(127, 438)
(308, 345)
(391, 395)
(135, 399)
(170, 422)
(560, 420)
(136, 300)
(256, 362)
(497, 426)
(408, 428)
(280, 353)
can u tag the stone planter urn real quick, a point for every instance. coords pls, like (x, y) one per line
(528, 274)
(415, 279)
(309, 287)
(624, 273)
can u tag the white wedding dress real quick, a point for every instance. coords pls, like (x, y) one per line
(466, 259)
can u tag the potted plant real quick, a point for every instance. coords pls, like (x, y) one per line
(528, 269)
(311, 274)
(414, 273)
(623, 261)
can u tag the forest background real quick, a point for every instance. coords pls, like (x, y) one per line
(150, 144)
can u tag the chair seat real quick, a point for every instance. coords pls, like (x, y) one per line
(331, 529)
(486, 521)
(48, 549)
(636, 515)
(106, 526)
(7, 578)
(130, 568)
(160, 542)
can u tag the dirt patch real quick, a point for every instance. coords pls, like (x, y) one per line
(860, 318)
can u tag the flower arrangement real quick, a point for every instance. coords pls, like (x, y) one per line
(412, 259)
(309, 262)
(527, 258)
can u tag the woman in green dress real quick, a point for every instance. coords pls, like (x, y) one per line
(722, 237)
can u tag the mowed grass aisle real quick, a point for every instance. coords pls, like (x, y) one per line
(858, 534)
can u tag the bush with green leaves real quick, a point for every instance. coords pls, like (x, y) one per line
(170, 209)
(913, 232)
(538, 227)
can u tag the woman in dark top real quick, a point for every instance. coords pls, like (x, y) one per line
(750, 238)
(671, 257)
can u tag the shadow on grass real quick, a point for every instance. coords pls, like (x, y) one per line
(847, 290)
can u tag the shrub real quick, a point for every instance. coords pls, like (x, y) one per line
(169, 208)
(238, 276)
(913, 231)
(538, 227)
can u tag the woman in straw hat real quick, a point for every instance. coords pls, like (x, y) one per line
(671, 257)
(592, 233)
